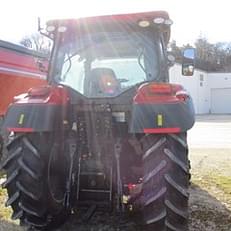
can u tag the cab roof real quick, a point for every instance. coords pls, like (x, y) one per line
(107, 22)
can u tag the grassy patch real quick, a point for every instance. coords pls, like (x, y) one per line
(5, 213)
(2, 174)
(216, 184)
(220, 181)
(223, 182)
(6, 224)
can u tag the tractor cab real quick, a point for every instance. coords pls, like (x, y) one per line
(116, 52)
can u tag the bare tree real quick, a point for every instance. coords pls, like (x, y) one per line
(37, 42)
(209, 57)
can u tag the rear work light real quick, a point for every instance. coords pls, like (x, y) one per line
(144, 23)
(160, 93)
(158, 20)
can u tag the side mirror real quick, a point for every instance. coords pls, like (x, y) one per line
(188, 63)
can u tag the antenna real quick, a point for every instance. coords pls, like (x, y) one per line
(40, 28)
(39, 24)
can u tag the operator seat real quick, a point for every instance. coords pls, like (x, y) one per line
(103, 83)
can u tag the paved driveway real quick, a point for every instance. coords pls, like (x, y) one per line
(211, 131)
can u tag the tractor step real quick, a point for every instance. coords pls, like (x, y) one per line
(94, 187)
(95, 191)
(92, 173)
(94, 195)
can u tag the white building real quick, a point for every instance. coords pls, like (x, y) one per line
(211, 92)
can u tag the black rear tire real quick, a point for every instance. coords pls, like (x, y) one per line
(37, 173)
(164, 198)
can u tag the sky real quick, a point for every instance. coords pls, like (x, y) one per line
(210, 19)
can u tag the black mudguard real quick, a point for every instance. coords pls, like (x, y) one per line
(35, 117)
(162, 118)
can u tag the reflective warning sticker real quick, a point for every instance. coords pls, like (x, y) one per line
(21, 119)
(160, 120)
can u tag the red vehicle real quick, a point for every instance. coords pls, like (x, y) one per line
(20, 69)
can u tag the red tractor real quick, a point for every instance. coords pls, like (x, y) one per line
(109, 131)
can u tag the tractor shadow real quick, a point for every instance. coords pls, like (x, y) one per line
(207, 213)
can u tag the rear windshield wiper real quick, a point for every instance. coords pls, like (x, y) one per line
(148, 74)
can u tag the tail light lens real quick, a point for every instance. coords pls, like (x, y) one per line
(39, 91)
(131, 186)
(57, 95)
(162, 89)
(160, 93)
(182, 95)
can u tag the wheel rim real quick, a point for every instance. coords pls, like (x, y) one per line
(58, 173)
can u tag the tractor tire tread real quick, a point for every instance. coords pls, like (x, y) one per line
(164, 197)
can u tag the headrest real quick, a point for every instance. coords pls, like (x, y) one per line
(98, 72)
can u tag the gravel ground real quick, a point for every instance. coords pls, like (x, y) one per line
(210, 194)
(210, 205)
